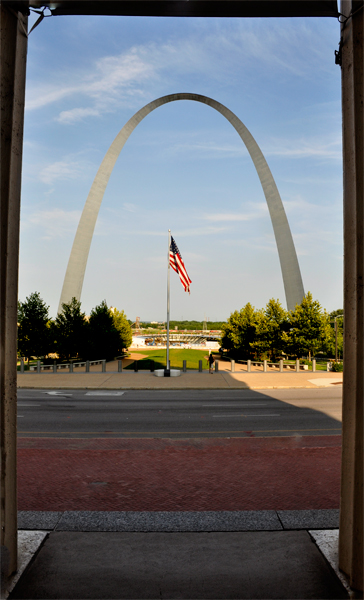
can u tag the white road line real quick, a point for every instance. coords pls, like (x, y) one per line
(28, 404)
(58, 394)
(20, 416)
(104, 393)
(236, 406)
(237, 399)
(235, 416)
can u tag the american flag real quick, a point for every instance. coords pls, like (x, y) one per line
(176, 262)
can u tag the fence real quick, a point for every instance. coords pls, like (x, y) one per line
(263, 365)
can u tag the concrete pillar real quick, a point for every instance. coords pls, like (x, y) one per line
(249, 366)
(281, 366)
(314, 365)
(216, 366)
(103, 368)
(264, 366)
(54, 367)
(200, 366)
(87, 366)
(297, 365)
(22, 365)
(13, 66)
(184, 368)
(120, 366)
(351, 509)
(233, 366)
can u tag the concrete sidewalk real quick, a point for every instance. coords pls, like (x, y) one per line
(252, 554)
(190, 380)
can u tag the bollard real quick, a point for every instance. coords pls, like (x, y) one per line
(120, 366)
(38, 366)
(184, 368)
(297, 365)
(281, 366)
(87, 366)
(55, 367)
(200, 366)
(136, 366)
(216, 366)
(233, 366)
(314, 365)
(22, 365)
(71, 367)
(327, 367)
(264, 366)
(249, 366)
(103, 368)
(152, 366)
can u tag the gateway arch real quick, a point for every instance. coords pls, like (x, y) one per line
(292, 280)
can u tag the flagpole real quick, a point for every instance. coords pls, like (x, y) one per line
(167, 370)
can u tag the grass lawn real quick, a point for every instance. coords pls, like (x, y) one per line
(176, 357)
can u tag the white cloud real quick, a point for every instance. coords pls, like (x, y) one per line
(53, 223)
(305, 148)
(63, 169)
(129, 207)
(77, 114)
(215, 53)
(218, 217)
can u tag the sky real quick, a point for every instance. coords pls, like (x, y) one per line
(184, 167)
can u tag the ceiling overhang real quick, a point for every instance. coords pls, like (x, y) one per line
(186, 8)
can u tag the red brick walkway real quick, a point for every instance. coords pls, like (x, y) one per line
(187, 475)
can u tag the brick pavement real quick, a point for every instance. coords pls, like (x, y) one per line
(290, 473)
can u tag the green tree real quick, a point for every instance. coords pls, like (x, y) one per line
(122, 325)
(70, 331)
(337, 315)
(309, 328)
(269, 341)
(239, 334)
(105, 341)
(33, 333)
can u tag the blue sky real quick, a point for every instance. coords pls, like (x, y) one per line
(184, 167)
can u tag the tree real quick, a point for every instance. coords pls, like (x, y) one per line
(239, 334)
(269, 335)
(105, 341)
(33, 333)
(338, 316)
(310, 328)
(70, 331)
(122, 325)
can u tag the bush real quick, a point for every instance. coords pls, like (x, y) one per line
(337, 367)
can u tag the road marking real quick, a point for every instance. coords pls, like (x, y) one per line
(28, 404)
(20, 416)
(228, 405)
(104, 393)
(58, 394)
(234, 416)
(235, 398)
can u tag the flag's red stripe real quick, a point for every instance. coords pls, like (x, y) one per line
(178, 266)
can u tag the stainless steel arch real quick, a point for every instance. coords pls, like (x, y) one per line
(73, 281)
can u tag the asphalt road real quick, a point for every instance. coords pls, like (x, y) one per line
(178, 414)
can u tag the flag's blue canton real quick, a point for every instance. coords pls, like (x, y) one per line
(174, 247)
